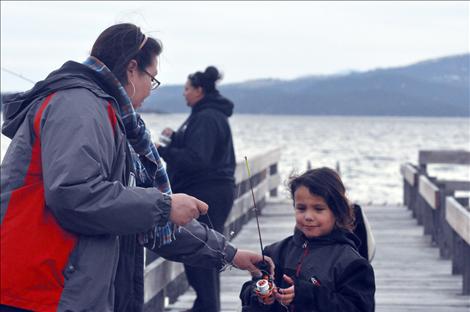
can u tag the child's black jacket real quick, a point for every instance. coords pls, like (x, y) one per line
(328, 271)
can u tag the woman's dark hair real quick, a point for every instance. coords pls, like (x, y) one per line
(206, 80)
(117, 45)
(326, 183)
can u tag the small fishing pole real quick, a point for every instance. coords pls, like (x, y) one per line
(18, 75)
(264, 287)
(256, 208)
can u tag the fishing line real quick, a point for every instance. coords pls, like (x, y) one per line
(232, 233)
(211, 227)
(227, 264)
(18, 75)
(285, 307)
(199, 239)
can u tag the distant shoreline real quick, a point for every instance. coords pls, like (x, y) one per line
(315, 115)
(433, 88)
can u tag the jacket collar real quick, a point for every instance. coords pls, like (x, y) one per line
(337, 236)
(215, 101)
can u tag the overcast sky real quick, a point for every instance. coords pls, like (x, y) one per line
(246, 40)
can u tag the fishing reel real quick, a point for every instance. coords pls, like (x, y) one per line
(264, 287)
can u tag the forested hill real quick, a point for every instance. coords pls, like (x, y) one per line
(438, 87)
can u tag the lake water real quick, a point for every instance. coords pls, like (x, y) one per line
(369, 150)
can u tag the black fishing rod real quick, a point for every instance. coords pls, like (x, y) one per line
(256, 208)
(264, 287)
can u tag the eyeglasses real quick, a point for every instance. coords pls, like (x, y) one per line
(155, 82)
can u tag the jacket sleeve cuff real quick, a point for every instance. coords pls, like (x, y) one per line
(164, 207)
(229, 252)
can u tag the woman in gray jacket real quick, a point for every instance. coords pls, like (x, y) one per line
(70, 211)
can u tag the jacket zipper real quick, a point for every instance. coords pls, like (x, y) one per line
(299, 264)
(299, 268)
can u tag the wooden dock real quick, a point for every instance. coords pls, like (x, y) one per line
(410, 274)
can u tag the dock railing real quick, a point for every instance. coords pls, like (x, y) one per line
(434, 204)
(166, 279)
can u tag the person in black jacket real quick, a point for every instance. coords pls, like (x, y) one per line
(201, 162)
(319, 268)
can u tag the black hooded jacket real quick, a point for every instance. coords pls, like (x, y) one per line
(328, 272)
(201, 151)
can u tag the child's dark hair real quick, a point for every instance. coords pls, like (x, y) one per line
(117, 45)
(326, 183)
(206, 80)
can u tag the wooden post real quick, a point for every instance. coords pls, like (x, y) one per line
(430, 193)
(309, 165)
(457, 254)
(444, 231)
(458, 244)
(466, 270)
(406, 193)
(419, 209)
(458, 218)
(410, 183)
(272, 172)
(338, 168)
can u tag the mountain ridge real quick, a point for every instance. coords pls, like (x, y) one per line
(429, 88)
(435, 87)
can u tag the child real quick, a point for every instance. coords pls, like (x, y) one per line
(319, 267)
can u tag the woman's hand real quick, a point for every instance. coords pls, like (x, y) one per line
(247, 260)
(167, 132)
(184, 208)
(285, 296)
(165, 137)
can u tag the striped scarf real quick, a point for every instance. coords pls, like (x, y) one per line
(139, 139)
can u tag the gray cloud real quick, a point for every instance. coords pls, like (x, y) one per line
(247, 40)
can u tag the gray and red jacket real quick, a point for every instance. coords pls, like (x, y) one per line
(65, 201)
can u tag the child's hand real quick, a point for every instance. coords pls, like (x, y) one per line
(286, 295)
(267, 300)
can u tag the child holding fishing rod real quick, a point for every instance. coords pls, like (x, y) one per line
(319, 267)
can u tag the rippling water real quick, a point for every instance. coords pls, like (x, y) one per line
(369, 150)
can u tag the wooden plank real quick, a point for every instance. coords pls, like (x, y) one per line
(429, 192)
(460, 157)
(274, 181)
(455, 185)
(242, 204)
(158, 274)
(458, 218)
(409, 173)
(256, 164)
